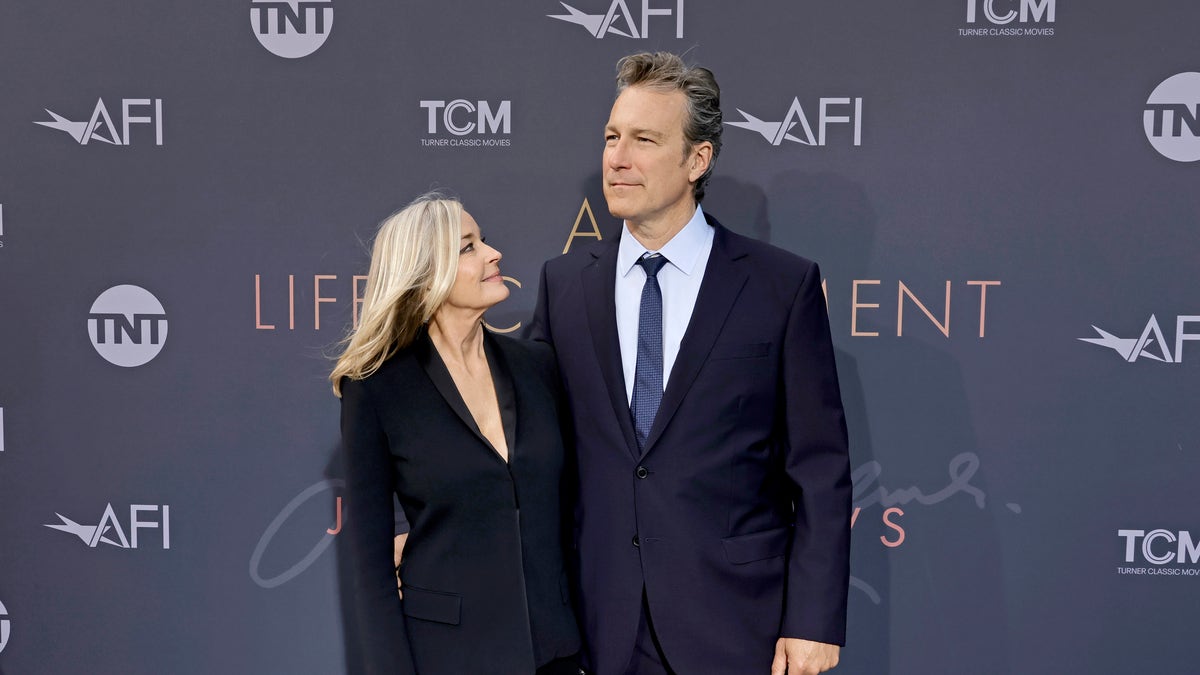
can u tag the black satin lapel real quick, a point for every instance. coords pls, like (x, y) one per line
(724, 278)
(506, 392)
(599, 291)
(432, 362)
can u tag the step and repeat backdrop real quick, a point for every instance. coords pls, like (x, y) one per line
(1003, 194)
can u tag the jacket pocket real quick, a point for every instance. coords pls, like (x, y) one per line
(746, 548)
(731, 350)
(432, 605)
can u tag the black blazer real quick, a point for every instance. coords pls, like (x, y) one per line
(484, 583)
(735, 518)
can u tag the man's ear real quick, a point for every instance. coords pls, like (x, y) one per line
(699, 159)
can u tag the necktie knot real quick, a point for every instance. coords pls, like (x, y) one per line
(652, 264)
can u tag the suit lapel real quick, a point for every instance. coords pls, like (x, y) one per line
(506, 392)
(433, 365)
(599, 289)
(724, 278)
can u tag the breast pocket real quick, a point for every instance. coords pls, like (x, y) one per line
(739, 350)
(438, 606)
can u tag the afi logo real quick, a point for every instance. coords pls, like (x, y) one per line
(100, 127)
(462, 117)
(292, 29)
(1151, 344)
(1037, 11)
(830, 111)
(1177, 547)
(128, 325)
(618, 20)
(3, 627)
(1172, 117)
(109, 530)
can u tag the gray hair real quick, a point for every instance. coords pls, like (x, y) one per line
(663, 71)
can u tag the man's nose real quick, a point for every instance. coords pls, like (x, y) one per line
(617, 155)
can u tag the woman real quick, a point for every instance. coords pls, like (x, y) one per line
(462, 426)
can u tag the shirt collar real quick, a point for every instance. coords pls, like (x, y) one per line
(682, 251)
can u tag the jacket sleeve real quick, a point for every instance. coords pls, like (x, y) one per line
(818, 463)
(539, 325)
(370, 524)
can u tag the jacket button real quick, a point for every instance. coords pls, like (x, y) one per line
(641, 472)
(636, 543)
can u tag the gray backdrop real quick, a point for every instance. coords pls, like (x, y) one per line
(984, 183)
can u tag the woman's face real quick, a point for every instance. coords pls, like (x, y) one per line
(478, 285)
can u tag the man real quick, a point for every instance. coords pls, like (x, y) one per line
(713, 514)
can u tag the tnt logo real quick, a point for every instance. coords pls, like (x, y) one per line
(128, 325)
(1026, 11)
(1160, 547)
(829, 111)
(109, 530)
(618, 20)
(292, 29)
(100, 127)
(1172, 117)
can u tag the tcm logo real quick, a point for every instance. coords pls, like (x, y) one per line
(1024, 11)
(830, 111)
(618, 20)
(3, 627)
(109, 530)
(1161, 547)
(1172, 117)
(292, 29)
(1151, 344)
(462, 118)
(100, 126)
(128, 325)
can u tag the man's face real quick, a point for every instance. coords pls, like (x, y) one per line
(647, 177)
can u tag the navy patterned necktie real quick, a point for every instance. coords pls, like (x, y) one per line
(648, 377)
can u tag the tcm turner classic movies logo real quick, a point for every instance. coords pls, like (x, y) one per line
(291, 29)
(619, 20)
(101, 127)
(1172, 117)
(1009, 18)
(1174, 553)
(461, 123)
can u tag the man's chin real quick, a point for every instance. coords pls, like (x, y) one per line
(617, 208)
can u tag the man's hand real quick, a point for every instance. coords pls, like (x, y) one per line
(794, 656)
(397, 554)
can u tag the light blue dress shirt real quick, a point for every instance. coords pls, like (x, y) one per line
(687, 255)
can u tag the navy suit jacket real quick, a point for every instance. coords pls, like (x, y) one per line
(735, 519)
(485, 587)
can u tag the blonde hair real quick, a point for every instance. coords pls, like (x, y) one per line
(413, 265)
